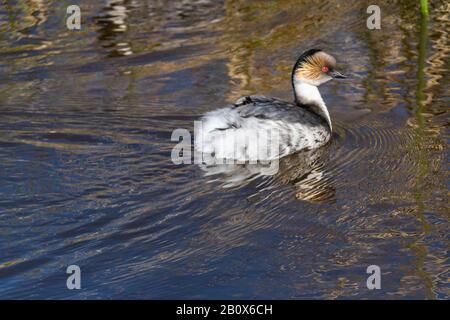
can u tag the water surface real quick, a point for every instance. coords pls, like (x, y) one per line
(86, 178)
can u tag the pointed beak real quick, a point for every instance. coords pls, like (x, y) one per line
(336, 75)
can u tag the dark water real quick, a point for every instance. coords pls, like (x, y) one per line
(86, 177)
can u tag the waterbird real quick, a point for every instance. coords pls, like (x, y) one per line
(235, 132)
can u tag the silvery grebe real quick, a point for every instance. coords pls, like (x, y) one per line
(304, 124)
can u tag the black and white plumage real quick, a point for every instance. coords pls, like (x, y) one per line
(262, 128)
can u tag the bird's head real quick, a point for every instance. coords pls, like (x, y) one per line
(315, 67)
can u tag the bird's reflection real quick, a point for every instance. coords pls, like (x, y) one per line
(303, 170)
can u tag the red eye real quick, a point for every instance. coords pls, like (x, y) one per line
(324, 69)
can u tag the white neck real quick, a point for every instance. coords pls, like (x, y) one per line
(309, 95)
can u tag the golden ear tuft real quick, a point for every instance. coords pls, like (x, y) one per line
(312, 67)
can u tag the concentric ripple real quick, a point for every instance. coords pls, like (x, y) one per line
(352, 156)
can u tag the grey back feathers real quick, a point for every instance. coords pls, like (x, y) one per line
(275, 109)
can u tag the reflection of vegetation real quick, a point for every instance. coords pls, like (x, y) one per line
(255, 30)
(422, 156)
(22, 17)
(420, 95)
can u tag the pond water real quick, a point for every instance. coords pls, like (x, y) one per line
(86, 176)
